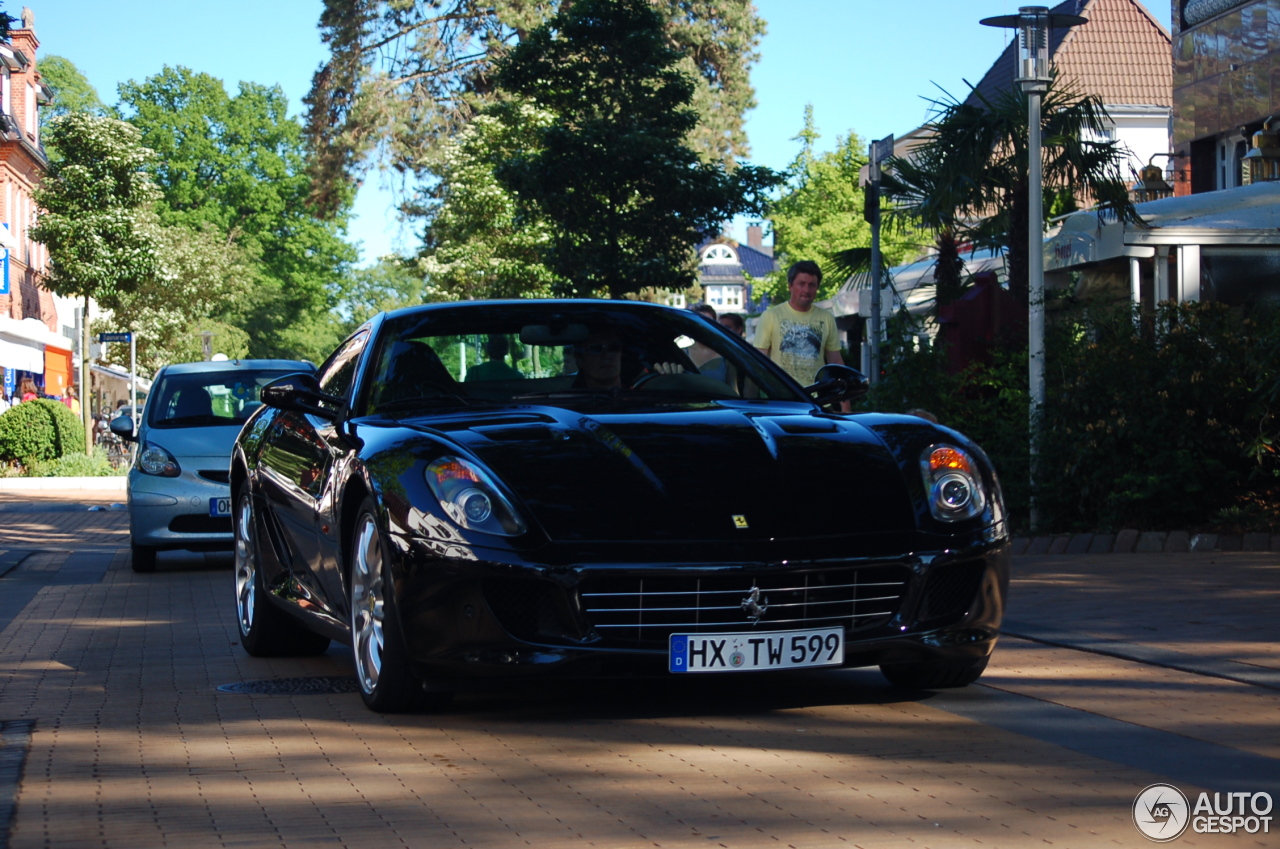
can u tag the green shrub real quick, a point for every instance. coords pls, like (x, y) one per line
(67, 426)
(39, 430)
(27, 433)
(1159, 427)
(75, 466)
(1162, 424)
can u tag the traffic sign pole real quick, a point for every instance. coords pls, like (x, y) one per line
(133, 379)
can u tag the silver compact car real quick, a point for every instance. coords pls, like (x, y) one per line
(179, 495)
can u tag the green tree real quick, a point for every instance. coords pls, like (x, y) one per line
(971, 173)
(820, 214)
(238, 164)
(626, 197)
(72, 92)
(97, 219)
(389, 284)
(403, 77)
(200, 276)
(475, 245)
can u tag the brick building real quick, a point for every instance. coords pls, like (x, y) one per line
(32, 341)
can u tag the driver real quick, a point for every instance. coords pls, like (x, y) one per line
(599, 360)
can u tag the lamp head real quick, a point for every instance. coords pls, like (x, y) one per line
(1033, 24)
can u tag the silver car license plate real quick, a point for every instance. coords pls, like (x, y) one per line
(220, 506)
(756, 650)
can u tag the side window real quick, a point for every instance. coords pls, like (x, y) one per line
(337, 375)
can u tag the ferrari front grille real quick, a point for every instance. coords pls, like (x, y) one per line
(643, 610)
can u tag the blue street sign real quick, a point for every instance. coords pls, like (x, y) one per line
(127, 336)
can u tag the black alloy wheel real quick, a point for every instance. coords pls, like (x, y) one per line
(265, 630)
(387, 683)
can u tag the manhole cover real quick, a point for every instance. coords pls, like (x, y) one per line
(293, 687)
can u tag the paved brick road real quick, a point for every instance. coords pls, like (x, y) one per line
(108, 684)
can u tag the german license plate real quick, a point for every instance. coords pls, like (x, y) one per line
(220, 506)
(756, 650)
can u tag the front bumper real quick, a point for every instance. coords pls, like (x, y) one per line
(466, 620)
(174, 513)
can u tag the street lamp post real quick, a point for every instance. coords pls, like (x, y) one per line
(880, 151)
(1033, 24)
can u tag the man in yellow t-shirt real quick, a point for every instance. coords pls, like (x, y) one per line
(797, 335)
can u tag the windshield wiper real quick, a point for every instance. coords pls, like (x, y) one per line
(430, 401)
(580, 392)
(200, 419)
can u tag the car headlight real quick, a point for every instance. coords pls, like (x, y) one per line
(154, 460)
(952, 483)
(469, 497)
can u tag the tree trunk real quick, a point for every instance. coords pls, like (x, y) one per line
(949, 269)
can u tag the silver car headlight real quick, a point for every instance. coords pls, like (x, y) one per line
(953, 484)
(469, 497)
(155, 460)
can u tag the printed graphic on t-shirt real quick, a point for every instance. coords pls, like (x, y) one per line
(800, 341)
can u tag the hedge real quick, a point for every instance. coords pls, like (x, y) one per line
(1156, 422)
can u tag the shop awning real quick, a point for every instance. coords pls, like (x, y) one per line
(32, 330)
(23, 356)
(144, 385)
(1247, 215)
(912, 285)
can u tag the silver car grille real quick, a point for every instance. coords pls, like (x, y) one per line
(643, 610)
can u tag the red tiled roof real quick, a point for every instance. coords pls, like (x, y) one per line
(1123, 55)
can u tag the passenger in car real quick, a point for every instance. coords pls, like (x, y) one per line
(495, 366)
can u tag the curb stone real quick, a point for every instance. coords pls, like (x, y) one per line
(1130, 541)
(1257, 542)
(1150, 541)
(1101, 544)
(107, 483)
(1204, 542)
(1125, 541)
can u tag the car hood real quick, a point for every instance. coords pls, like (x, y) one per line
(210, 444)
(710, 472)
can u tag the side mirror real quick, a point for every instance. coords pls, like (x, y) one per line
(122, 426)
(838, 383)
(300, 393)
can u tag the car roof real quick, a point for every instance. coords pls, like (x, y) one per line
(238, 365)
(548, 304)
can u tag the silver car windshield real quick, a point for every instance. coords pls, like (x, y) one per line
(207, 398)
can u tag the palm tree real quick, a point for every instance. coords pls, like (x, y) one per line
(968, 181)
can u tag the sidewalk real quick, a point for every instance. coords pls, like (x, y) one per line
(67, 489)
(109, 682)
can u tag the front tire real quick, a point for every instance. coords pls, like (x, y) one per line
(387, 682)
(265, 630)
(143, 558)
(933, 675)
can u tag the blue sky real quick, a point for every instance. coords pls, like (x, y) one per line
(865, 65)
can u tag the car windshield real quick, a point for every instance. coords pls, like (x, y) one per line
(557, 352)
(207, 398)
